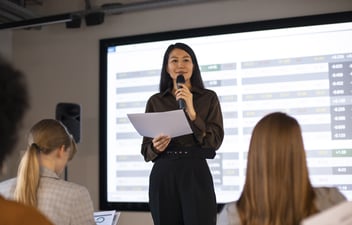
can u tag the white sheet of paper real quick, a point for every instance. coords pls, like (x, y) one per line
(173, 123)
(109, 217)
(340, 214)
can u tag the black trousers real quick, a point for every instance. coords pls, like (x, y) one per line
(181, 192)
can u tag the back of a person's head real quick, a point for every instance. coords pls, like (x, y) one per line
(277, 189)
(50, 134)
(14, 103)
(276, 150)
(44, 137)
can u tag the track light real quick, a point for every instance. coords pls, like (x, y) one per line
(95, 16)
(37, 22)
(75, 22)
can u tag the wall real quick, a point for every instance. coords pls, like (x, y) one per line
(6, 44)
(62, 64)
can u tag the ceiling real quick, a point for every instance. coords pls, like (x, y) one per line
(30, 13)
(11, 10)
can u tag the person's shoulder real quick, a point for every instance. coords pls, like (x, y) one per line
(337, 215)
(75, 192)
(230, 207)
(156, 96)
(323, 191)
(210, 91)
(63, 186)
(229, 214)
(7, 182)
(15, 213)
(75, 187)
(7, 186)
(327, 197)
(204, 92)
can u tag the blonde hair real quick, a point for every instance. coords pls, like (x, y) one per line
(277, 188)
(44, 137)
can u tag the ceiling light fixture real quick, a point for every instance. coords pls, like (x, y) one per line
(38, 22)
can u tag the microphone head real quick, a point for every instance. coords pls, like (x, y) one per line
(180, 79)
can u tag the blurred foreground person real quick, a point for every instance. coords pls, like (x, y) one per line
(14, 103)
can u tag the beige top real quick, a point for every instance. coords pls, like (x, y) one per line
(325, 198)
(63, 202)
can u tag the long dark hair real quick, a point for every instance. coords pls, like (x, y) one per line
(165, 78)
(277, 188)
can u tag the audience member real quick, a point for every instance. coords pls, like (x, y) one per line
(277, 189)
(14, 103)
(38, 182)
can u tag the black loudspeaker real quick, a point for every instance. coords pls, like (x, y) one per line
(75, 22)
(70, 115)
(94, 18)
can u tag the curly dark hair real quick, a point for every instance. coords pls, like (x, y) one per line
(14, 102)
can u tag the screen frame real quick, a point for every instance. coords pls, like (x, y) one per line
(104, 44)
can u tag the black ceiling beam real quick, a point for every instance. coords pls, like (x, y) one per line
(38, 22)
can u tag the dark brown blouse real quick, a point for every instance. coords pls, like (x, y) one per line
(208, 130)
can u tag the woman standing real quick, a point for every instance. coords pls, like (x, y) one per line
(181, 189)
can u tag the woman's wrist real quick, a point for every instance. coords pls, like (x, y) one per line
(155, 150)
(192, 115)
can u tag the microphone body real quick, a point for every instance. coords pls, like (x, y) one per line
(180, 80)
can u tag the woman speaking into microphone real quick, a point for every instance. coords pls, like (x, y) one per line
(181, 189)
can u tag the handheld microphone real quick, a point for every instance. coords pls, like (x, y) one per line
(180, 80)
